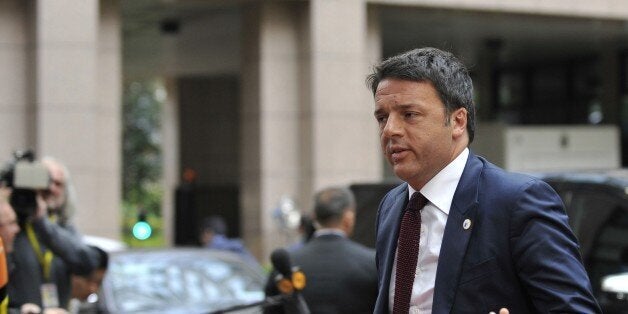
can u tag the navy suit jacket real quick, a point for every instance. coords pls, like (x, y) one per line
(518, 253)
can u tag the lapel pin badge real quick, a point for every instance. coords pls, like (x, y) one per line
(466, 224)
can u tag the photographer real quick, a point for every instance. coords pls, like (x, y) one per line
(60, 203)
(60, 195)
(45, 253)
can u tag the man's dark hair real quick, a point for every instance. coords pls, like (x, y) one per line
(448, 75)
(307, 226)
(331, 203)
(102, 257)
(215, 224)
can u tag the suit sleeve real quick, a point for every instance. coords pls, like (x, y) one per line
(66, 245)
(545, 253)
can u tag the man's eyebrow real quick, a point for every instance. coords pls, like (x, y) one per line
(405, 106)
(378, 111)
(397, 107)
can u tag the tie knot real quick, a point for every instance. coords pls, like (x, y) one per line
(417, 202)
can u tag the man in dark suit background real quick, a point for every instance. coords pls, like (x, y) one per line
(340, 273)
(488, 239)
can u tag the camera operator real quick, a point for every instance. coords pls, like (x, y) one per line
(60, 203)
(60, 195)
(45, 253)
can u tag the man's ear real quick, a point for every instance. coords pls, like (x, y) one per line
(348, 221)
(459, 122)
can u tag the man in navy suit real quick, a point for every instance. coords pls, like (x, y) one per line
(489, 239)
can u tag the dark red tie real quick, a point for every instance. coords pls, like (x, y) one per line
(408, 252)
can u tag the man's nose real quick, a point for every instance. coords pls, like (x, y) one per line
(393, 127)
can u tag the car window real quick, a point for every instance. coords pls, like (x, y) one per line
(600, 222)
(588, 212)
(197, 283)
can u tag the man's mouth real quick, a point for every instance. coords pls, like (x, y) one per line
(397, 153)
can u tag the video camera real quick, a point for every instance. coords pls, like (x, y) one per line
(25, 176)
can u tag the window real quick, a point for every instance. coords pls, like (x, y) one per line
(600, 222)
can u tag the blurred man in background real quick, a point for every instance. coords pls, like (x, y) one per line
(9, 226)
(8, 229)
(84, 287)
(341, 274)
(213, 235)
(306, 231)
(60, 195)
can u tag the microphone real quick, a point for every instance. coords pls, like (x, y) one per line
(289, 282)
(281, 262)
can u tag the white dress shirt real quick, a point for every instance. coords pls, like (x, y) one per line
(439, 192)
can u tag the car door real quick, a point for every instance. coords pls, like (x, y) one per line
(600, 221)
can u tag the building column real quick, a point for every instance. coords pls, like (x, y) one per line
(345, 141)
(170, 149)
(77, 96)
(307, 116)
(16, 103)
(270, 120)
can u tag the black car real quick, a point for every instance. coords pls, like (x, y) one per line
(597, 205)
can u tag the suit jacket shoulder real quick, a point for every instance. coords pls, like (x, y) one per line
(341, 275)
(516, 223)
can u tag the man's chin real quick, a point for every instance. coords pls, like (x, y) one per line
(401, 172)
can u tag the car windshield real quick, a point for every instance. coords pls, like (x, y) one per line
(179, 282)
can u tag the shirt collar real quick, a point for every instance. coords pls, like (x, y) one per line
(326, 231)
(441, 188)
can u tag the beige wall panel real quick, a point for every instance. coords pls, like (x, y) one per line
(576, 6)
(69, 136)
(16, 110)
(63, 22)
(87, 208)
(279, 101)
(13, 80)
(270, 122)
(342, 86)
(67, 76)
(95, 213)
(171, 173)
(617, 5)
(105, 216)
(598, 8)
(343, 128)
(107, 130)
(282, 92)
(108, 123)
(78, 90)
(279, 143)
(12, 121)
(343, 136)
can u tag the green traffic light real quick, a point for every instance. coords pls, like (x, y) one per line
(142, 230)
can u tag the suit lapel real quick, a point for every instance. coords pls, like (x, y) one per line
(391, 230)
(456, 237)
